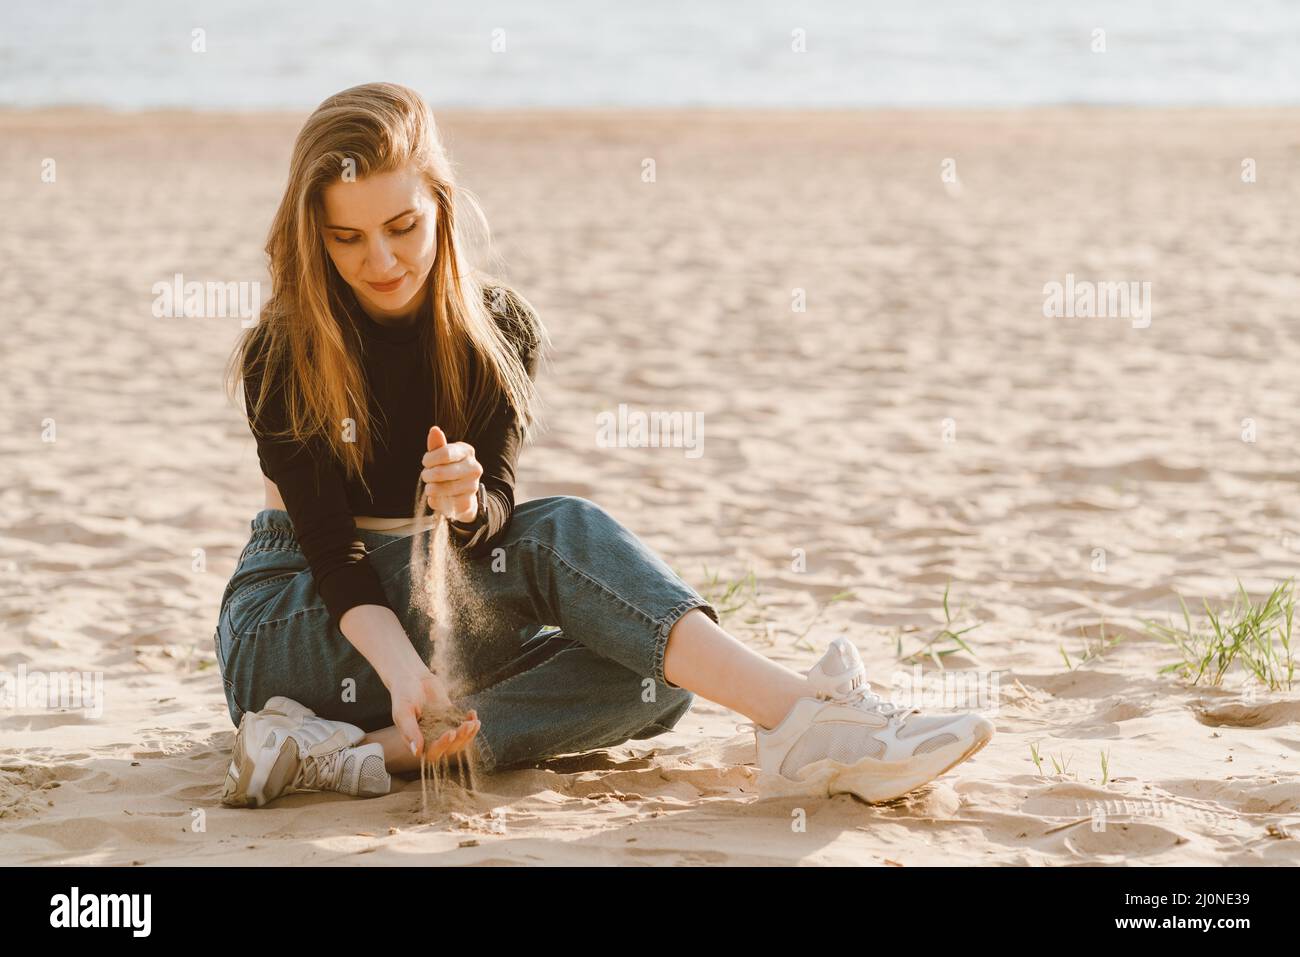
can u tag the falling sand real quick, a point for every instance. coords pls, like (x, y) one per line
(434, 774)
(436, 574)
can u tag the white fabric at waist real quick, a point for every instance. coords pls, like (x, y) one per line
(395, 526)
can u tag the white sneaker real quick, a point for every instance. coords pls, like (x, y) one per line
(285, 747)
(849, 740)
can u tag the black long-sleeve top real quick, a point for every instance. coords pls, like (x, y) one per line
(322, 502)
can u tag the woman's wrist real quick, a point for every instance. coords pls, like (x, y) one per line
(376, 632)
(402, 666)
(480, 509)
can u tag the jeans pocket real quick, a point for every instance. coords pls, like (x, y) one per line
(219, 650)
(224, 642)
(252, 595)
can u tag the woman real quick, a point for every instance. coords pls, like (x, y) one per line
(379, 344)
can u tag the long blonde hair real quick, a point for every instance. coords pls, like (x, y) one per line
(305, 330)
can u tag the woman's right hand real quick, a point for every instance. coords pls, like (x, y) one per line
(421, 692)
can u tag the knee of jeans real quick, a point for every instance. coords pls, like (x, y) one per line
(572, 503)
(584, 507)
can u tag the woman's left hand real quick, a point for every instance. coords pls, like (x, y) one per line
(451, 476)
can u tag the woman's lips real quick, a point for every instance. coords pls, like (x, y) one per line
(387, 286)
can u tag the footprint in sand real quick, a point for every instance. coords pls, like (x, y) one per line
(1235, 714)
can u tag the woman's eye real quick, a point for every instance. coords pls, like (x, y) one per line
(350, 240)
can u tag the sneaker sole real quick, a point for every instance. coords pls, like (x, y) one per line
(872, 781)
(234, 790)
(247, 782)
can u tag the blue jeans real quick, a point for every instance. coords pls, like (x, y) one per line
(593, 679)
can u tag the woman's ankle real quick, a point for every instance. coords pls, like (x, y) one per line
(780, 707)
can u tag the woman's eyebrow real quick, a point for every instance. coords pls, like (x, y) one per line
(353, 229)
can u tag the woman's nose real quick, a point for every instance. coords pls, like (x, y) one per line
(379, 257)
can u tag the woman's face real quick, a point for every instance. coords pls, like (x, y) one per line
(380, 234)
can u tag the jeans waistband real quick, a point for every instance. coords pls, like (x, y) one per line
(274, 525)
(272, 521)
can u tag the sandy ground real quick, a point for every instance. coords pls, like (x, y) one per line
(920, 422)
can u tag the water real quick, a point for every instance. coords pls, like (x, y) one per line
(131, 54)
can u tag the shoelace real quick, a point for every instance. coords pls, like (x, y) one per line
(319, 772)
(860, 697)
(863, 697)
